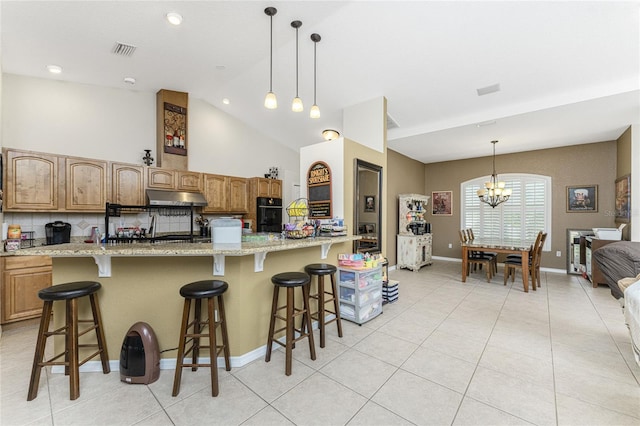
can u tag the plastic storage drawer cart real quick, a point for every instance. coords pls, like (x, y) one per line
(360, 293)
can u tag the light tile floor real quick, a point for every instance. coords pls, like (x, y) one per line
(446, 353)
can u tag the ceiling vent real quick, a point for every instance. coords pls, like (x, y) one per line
(489, 89)
(123, 49)
(391, 123)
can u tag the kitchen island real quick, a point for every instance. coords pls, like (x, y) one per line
(144, 282)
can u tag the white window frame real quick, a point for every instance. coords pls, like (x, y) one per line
(474, 215)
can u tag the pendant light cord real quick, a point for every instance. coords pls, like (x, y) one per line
(315, 66)
(271, 54)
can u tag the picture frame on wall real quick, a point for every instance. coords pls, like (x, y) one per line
(369, 203)
(442, 203)
(623, 199)
(582, 199)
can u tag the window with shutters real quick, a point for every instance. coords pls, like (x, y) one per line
(527, 211)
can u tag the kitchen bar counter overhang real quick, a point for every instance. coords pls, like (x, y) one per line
(102, 254)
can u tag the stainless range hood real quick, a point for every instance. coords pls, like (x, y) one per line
(156, 197)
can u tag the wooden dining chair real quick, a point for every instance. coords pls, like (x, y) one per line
(476, 259)
(512, 264)
(491, 254)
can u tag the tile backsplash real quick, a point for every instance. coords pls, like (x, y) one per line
(81, 223)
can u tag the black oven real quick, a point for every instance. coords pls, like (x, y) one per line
(269, 214)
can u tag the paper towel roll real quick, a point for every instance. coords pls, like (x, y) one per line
(5, 229)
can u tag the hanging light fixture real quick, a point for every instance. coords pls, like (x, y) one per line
(494, 191)
(315, 111)
(270, 100)
(296, 105)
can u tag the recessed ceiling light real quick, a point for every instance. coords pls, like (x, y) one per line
(174, 18)
(129, 80)
(226, 101)
(54, 69)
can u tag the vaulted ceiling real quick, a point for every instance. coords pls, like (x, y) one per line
(568, 72)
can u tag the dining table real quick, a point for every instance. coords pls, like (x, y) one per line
(507, 246)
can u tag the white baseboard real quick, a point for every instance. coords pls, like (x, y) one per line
(170, 363)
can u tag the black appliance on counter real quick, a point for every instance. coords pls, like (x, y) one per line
(57, 232)
(269, 214)
(419, 228)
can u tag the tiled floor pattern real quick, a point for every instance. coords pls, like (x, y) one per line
(446, 353)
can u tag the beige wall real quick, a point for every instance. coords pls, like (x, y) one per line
(573, 165)
(590, 164)
(406, 176)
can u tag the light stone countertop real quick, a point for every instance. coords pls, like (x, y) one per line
(176, 249)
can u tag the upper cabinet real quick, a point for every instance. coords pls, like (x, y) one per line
(86, 184)
(127, 184)
(189, 181)
(181, 180)
(161, 178)
(271, 188)
(225, 194)
(31, 181)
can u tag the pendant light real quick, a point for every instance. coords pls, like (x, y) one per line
(315, 111)
(494, 191)
(270, 100)
(296, 105)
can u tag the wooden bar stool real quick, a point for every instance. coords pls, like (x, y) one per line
(290, 280)
(211, 290)
(320, 270)
(70, 293)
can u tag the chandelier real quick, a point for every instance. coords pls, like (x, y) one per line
(494, 191)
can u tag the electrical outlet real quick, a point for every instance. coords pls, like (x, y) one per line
(450, 245)
(558, 253)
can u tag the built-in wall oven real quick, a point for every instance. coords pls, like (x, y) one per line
(269, 214)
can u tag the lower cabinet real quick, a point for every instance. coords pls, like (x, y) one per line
(22, 278)
(360, 293)
(414, 251)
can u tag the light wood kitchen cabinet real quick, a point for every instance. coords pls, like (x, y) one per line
(216, 192)
(225, 194)
(271, 188)
(180, 180)
(161, 178)
(85, 184)
(127, 184)
(238, 189)
(22, 278)
(31, 181)
(189, 181)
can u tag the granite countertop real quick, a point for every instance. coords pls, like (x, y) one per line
(179, 249)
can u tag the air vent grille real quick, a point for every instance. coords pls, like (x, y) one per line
(123, 49)
(391, 123)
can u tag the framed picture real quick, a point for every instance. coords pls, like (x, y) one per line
(582, 198)
(442, 203)
(369, 203)
(623, 199)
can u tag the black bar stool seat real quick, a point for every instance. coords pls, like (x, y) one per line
(323, 297)
(69, 293)
(212, 291)
(290, 281)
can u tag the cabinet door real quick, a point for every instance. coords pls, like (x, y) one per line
(161, 178)
(86, 184)
(263, 186)
(189, 181)
(23, 277)
(31, 181)
(238, 195)
(216, 191)
(127, 184)
(275, 188)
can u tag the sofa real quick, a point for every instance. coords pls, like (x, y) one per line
(616, 261)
